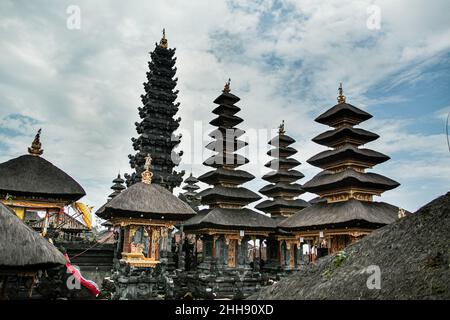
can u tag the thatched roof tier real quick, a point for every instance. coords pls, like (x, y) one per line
(341, 112)
(351, 213)
(223, 133)
(143, 200)
(222, 144)
(190, 187)
(221, 218)
(355, 136)
(222, 175)
(219, 194)
(33, 176)
(278, 204)
(226, 98)
(22, 248)
(281, 152)
(228, 159)
(412, 253)
(283, 176)
(225, 120)
(282, 162)
(293, 189)
(317, 200)
(281, 141)
(349, 153)
(229, 109)
(191, 179)
(327, 182)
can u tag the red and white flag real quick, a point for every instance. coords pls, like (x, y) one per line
(88, 284)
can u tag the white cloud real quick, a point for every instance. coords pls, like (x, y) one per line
(84, 86)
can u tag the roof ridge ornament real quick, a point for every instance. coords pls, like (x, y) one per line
(163, 42)
(281, 130)
(35, 149)
(341, 97)
(147, 174)
(226, 88)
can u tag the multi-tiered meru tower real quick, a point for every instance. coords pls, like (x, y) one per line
(284, 191)
(283, 188)
(349, 211)
(117, 186)
(156, 130)
(227, 225)
(190, 194)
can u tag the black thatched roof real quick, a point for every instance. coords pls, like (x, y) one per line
(346, 178)
(220, 193)
(328, 214)
(281, 152)
(413, 255)
(326, 158)
(23, 248)
(280, 203)
(343, 110)
(290, 188)
(146, 201)
(30, 175)
(221, 175)
(356, 135)
(283, 175)
(230, 219)
(281, 140)
(317, 200)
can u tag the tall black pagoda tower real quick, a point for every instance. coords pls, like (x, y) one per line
(227, 226)
(349, 211)
(156, 130)
(283, 188)
(190, 195)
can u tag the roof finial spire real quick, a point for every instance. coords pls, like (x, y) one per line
(226, 88)
(35, 148)
(281, 128)
(147, 174)
(341, 97)
(163, 42)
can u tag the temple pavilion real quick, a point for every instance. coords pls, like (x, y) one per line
(23, 255)
(283, 202)
(227, 226)
(34, 188)
(350, 211)
(144, 214)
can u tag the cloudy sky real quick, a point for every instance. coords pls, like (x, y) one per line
(285, 59)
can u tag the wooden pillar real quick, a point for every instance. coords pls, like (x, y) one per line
(280, 246)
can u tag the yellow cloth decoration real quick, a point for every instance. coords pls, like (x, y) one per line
(85, 212)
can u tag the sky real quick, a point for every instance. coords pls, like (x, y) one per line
(80, 80)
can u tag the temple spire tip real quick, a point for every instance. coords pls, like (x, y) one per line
(163, 42)
(281, 128)
(226, 88)
(36, 145)
(341, 97)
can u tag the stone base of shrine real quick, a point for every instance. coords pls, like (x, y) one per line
(141, 283)
(219, 284)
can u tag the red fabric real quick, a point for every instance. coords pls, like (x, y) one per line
(88, 284)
